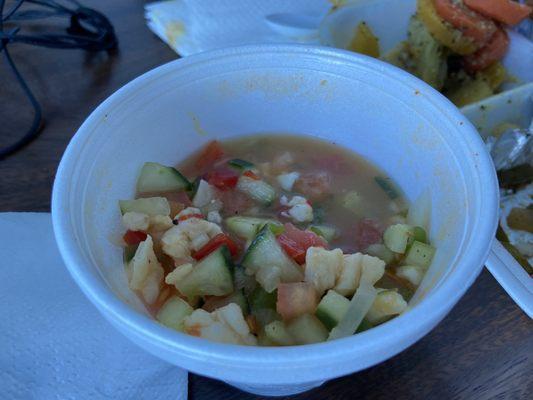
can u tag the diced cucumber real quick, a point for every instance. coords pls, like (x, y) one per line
(400, 237)
(260, 298)
(332, 308)
(387, 186)
(419, 234)
(364, 326)
(257, 190)
(387, 304)
(241, 165)
(352, 201)
(173, 312)
(264, 341)
(327, 232)
(247, 227)
(276, 228)
(129, 252)
(412, 273)
(359, 305)
(265, 253)
(277, 332)
(150, 206)
(265, 316)
(212, 276)
(155, 177)
(307, 329)
(380, 251)
(238, 298)
(420, 254)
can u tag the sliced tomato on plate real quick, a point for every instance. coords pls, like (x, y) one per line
(134, 237)
(219, 240)
(492, 52)
(469, 22)
(295, 242)
(505, 11)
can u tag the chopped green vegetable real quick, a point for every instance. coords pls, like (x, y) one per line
(387, 186)
(247, 227)
(428, 55)
(150, 206)
(155, 177)
(307, 329)
(420, 254)
(327, 232)
(381, 251)
(173, 312)
(129, 252)
(332, 308)
(241, 165)
(277, 332)
(257, 190)
(260, 298)
(397, 237)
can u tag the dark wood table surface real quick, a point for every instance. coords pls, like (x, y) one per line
(482, 350)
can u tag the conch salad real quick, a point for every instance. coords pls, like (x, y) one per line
(272, 240)
(454, 45)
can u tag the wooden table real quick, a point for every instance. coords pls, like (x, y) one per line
(482, 350)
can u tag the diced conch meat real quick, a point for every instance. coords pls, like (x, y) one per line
(226, 325)
(348, 279)
(299, 209)
(135, 221)
(322, 267)
(286, 181)
(146, 271)
(190, 234)
(179, 273)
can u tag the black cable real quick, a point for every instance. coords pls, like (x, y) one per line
(88, 30)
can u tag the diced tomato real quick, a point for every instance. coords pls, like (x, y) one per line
(134, 237)
(295, 242)
(367, 232)
(219, 240)
(470, 23)
(505, 11)
(234, 202)
(251, 175)
(295, 299)
(222, 178)
(315, 185)
(492, 52)
(189, 216)
(209, 156)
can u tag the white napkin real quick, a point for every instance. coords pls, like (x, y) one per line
(193, 26)
(53, 343)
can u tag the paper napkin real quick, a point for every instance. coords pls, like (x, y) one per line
(192, 26)
(53, 343)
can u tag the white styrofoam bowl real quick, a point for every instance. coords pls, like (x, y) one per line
(382, 113)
